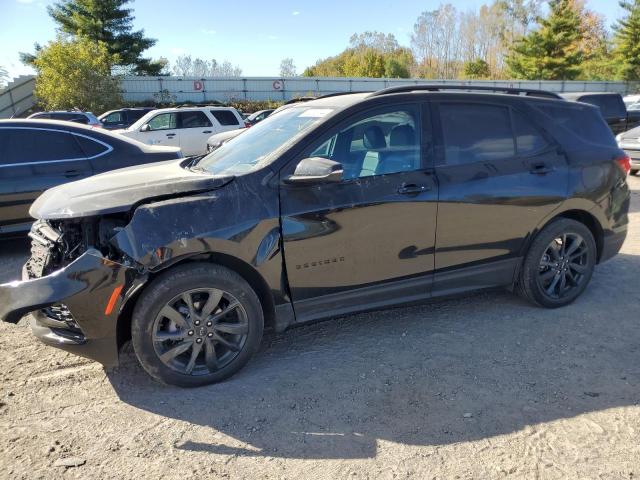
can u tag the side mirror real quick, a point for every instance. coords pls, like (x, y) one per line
(316, 170)
(145, 128)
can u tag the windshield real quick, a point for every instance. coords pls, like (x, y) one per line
(245, 152)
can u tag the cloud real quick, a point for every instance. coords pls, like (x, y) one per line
(208, 31)
(295, 13)
(272, 37)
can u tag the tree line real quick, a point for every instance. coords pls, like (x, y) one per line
(505, 39)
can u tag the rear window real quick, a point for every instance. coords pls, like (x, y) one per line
(585, 122)
(476, 133)
(225, 117)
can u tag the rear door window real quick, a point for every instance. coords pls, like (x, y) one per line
(36, 145)
(195, 119)
(225, 117)
(475, 133)
(529, 140)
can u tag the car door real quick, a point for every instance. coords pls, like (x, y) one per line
(195, 128)
(499, 175)
(161, 130)
(368, 240)
(31, 161)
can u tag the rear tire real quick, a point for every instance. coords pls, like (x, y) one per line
(196, 324)
(558, 265)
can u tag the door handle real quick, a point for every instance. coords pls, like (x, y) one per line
(207, 131)
(72, 173)
(412, 189)
(171, 135)
(540, 169)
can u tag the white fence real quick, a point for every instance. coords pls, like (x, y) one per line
(202, 90)
(18, 96)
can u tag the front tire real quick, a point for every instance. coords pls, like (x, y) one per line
(196, 324)
(559, 264)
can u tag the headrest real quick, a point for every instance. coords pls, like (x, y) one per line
(402, 136)
(374, 138)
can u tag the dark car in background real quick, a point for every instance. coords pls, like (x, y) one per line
(37, 155)
(612, 107)
(83, 118)
(336, 205)
(123, 118)
(257, 117)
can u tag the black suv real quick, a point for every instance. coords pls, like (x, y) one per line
(328, 207)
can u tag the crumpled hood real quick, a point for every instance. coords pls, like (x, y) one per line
(119, 190)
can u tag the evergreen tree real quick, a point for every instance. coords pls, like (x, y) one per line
(627, 41)
(105, 21)
(552, 52)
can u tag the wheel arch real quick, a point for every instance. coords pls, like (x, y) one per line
(246, 271)
(580, 215)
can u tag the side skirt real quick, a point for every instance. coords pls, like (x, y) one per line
(413, 290)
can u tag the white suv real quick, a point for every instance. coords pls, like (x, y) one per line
(184, 127)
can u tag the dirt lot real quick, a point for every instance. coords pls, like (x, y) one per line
(485, 386)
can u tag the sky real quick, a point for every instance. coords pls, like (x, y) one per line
(254, 34)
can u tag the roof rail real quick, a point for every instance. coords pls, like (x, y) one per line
(337, 94)
(439, 88)
(299, 99)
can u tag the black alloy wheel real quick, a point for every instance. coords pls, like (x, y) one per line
(196, 324)
(200, 331)
(559, 264)
(563, 265)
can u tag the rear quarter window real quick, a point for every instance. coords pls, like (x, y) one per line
(225, 117)
(585, 122)
(90, 147)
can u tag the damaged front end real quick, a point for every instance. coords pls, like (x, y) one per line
(75, 285)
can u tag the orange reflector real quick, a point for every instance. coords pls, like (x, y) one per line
(112, 300)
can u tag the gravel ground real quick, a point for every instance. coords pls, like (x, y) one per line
(484, 386)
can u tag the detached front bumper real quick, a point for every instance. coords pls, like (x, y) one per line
(75, 308)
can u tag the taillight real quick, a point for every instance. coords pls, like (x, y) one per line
(624, 163)
(247, 124)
